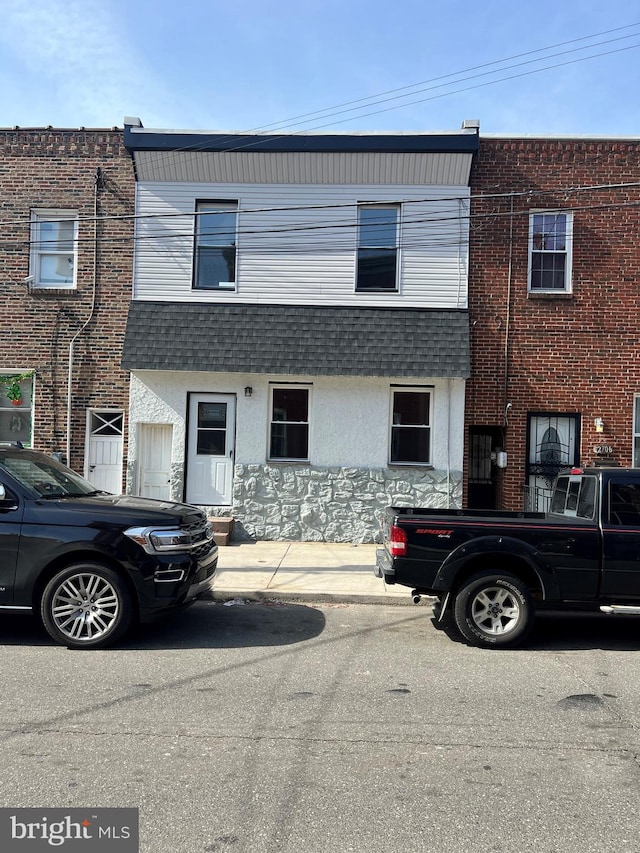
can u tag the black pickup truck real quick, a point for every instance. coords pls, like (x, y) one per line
(91, 564)
(490, 571)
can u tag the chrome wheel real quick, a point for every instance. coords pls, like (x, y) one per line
(495, 610)
(86, 606)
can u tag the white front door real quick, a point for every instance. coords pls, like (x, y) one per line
(155, 461)
(103, 456)
(210, 449)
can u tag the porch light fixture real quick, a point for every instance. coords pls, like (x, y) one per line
(248, 391)
(599, 424)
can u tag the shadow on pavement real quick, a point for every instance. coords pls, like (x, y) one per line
(206, 624)
(574, 631)
(567, 631)
(209, 624)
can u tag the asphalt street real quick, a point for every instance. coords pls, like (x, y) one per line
(270, 727)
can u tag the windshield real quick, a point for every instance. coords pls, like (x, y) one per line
(44, 476)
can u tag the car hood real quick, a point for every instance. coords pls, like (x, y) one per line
(115, 510)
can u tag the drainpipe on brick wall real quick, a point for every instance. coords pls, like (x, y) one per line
(96, 188)
(507, 324)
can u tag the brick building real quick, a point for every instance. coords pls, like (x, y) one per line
(554, 304)
(66, 203)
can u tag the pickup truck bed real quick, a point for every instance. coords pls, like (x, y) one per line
(491, 571)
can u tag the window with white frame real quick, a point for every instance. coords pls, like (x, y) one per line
(216, 245)
(636, 431)
(550, 241)
(289, 423)
(54, 248)
(410, 426)
(377, 263)
(16, 406)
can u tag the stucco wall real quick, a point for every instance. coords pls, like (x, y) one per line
(339, 494)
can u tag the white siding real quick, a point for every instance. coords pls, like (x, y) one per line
(296, 244)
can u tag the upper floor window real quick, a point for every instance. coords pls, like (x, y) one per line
(215, 252)
(410, 427)
(378, 226)
(54, 248)
(289, 423)
(550, 237)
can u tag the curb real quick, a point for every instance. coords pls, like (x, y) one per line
(261, 596)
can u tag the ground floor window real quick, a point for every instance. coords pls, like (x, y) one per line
(16, 405)
(289, 423)
(410, 427)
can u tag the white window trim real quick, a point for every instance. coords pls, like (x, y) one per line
(284, 386)
(389, 205)
(568, 281)
(51, 215)
(402, 389)
(203, 206)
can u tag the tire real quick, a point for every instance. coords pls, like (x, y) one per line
(86, 606)
(494, 611)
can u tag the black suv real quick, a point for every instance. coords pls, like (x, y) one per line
(89, 563)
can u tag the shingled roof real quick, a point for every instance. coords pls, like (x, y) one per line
(290, 339)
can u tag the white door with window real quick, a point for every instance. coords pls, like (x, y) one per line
(155, 461)
(210, 449)
(103, 456)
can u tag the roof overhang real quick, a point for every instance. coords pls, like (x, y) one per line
(296, 340)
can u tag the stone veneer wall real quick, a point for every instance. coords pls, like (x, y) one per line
(303, 503)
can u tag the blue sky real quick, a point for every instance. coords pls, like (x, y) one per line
(212, 64)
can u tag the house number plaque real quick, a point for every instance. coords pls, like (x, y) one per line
(602, 449)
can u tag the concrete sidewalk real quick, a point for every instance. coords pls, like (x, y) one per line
(303, 571)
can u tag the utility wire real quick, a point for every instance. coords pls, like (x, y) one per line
(25, 219)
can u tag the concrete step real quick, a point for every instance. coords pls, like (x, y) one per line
(222, 529)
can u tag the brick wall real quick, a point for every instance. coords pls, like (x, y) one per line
(567, 353)
(46, 168)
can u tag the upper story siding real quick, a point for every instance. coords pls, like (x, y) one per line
(297, 243)
(297, 200)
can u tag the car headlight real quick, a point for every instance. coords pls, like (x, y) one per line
(160, 540)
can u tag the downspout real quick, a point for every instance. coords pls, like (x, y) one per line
(505, 390)
(96, 188)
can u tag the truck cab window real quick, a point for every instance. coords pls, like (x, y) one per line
(624, 504)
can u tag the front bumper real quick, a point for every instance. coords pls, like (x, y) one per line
(177, 581)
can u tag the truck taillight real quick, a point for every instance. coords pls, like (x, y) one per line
(397, 541)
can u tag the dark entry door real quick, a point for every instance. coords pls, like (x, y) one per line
(483, 442)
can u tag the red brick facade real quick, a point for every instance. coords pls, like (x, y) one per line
(84, 171)
(574, 353)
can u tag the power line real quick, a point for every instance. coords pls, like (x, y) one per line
(424, 240)
(195, 147)
(25, 219)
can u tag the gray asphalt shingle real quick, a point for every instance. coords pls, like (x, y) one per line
(291, 339)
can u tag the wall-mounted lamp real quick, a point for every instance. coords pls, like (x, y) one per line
(599, 424)
(248, 391)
